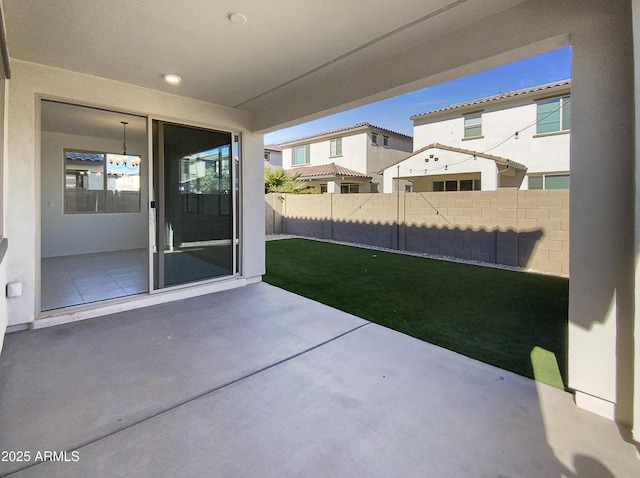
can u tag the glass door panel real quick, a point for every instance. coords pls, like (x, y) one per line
(194, 185)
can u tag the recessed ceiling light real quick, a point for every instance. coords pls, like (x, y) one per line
(173, 79)
(237, 18)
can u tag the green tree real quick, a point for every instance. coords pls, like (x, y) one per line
(279, 181)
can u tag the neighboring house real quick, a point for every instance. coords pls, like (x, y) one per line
(516, 139)
(344, 180)
(272, 156)
(345, 160)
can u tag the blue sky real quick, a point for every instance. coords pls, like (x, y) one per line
(394, 113)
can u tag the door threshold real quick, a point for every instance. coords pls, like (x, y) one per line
(132, 302)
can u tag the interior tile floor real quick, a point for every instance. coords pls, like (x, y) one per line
(259, 382)
(84, 278)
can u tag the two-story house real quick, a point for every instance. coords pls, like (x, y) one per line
(516, 139)
(272, 156)
(345, 160)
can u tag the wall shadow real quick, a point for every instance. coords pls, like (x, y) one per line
(505, 247)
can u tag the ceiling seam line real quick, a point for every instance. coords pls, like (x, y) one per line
(358, 49)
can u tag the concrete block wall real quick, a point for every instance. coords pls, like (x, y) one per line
(529, 229)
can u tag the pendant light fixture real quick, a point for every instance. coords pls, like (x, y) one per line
(124, 135)
(124, 159)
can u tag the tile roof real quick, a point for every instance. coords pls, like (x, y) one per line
(364, 125)
(83, 156)
(501, 96)
(326, 171)
(478, 154)
(272, 147)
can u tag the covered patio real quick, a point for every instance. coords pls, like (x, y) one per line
(260, 382)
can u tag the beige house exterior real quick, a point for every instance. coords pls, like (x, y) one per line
(332, 178)
(345, 160)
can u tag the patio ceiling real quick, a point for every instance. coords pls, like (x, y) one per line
(286, 47)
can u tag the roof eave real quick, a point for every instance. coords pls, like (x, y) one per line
(443, 147)
(479, 104)
(335, 176)
(340, 132)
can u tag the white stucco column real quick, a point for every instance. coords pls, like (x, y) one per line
(4, 86)
(636, 334)
(601, 298)
(333, 187)
(489, 177)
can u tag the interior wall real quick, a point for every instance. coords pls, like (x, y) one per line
(29, 83)
(69, 234)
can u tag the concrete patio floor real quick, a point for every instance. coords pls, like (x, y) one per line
(260, 382)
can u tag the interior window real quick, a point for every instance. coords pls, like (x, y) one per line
(100, 182)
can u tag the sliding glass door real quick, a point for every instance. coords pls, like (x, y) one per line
(194, 186)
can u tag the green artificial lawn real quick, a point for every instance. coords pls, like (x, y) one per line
(513, 320)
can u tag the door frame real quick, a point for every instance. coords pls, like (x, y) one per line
(158, 211)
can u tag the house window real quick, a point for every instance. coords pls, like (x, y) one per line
(267, 156)
(385, 141)
(466, 185)
(349, 188)
(451, 185)
(301, 155)
(99, 182)
(456, 185)
(336, 147)
(549, 181)
(553, 115)
(473, 125)
(374, 138)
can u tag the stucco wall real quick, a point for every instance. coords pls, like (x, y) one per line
(529, 229)
(354, 153)
(29, 82)
(449, 163)
(540, 153)
(601, 292)
(275, 160)
(358, 154)
(636, 333)
(4, 316)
